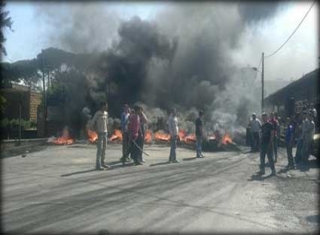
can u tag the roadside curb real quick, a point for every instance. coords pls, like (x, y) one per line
(10, 148)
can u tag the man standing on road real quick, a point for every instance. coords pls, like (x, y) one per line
(174, 130)
(276, 127)
(99, 124)
(143, 123)
(255, 129)
(307, 137)
(302, 128)
(199, 134)
(125, 134)
(290, 141)
(266, 144)
(134, 132)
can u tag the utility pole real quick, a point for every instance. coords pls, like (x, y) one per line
(262, 84)
(20, 103)
(44, 96)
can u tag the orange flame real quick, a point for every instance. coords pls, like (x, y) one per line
(148, 137)
(226, 139)
(92, 135)
(65, 138)
(182, 134)
(116, 136)
(160, 136)
(190, 139)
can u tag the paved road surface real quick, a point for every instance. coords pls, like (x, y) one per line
(56, 190)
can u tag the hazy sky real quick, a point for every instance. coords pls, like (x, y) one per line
(299, 56)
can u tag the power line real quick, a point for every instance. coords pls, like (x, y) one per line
(292, 32)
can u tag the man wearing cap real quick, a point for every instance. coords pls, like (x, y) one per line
(266, 144)
(255, 129)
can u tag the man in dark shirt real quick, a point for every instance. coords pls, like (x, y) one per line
(199, 135)
(290, 141)
(266, 144)
(275, 123)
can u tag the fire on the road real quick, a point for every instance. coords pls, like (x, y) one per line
(159, 137)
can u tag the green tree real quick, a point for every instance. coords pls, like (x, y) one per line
(5, 22)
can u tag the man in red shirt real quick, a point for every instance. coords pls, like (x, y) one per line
(134, 132)
(275, 124)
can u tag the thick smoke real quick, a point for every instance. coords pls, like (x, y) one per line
(182, 59)
(259, 11)
(79, 28)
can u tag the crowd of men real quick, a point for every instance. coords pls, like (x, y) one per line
(264, 138)
(133, 126)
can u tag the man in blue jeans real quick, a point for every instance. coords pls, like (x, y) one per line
(99, 124)
(125, 133)
(266, 144)
(199, 135)
(302, 126)
(174, 130)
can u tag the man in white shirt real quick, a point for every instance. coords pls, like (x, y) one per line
(174, 130)
(99, 124)
(255, 129)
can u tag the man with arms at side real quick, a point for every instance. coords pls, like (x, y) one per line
(174, 130)
(99, 124)
(255, 129)
(266, 145)
(125, 132)
(199, 134)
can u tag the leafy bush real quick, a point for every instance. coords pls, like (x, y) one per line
(14, 124)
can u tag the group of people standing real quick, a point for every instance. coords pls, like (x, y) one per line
(265, 137)
(133, 125)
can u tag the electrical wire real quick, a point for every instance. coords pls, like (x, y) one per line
(292, 32)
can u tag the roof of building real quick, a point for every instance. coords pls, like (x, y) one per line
(304, 86)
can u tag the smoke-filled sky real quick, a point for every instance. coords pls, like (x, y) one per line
(189, 55)
(244, 31)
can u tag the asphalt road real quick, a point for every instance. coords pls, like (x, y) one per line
(57, 190)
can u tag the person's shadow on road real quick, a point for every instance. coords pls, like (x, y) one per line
(189, 159)
(258, 177)
(160, 163)
(78, 172)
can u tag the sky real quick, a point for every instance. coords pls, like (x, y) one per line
(32, 30)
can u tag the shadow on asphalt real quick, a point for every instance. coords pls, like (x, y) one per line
(160, 163)
(118, 164)
(78, 172)
(258, 177)
(314, 163)
(313, 219)
(189, 159)
(283, 170)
